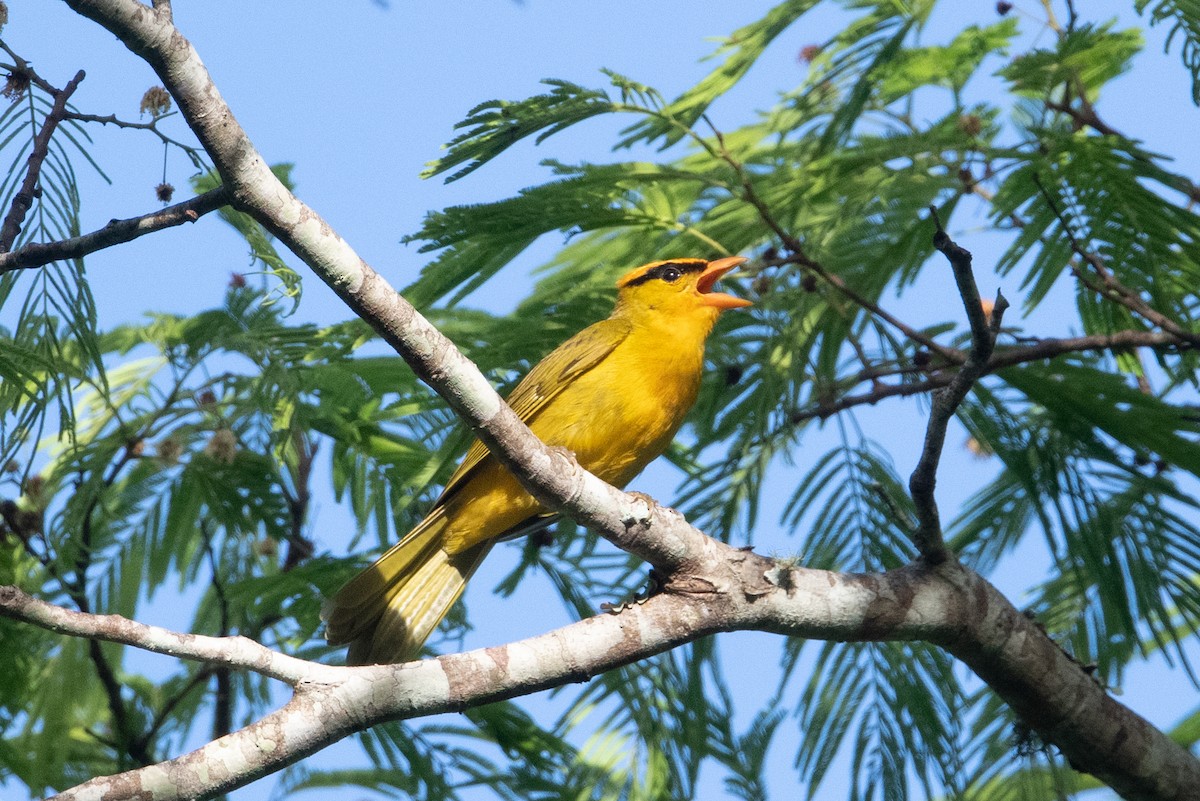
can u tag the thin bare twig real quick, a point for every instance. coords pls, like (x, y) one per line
(194, 153)
(928, 536)
(23, 200)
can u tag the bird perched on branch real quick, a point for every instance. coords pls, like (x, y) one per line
(614, 394)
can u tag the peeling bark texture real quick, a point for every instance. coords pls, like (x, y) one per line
(708, 587)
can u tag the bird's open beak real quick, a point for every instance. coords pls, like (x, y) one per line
(714, 270)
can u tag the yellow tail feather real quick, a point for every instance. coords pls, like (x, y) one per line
(388, 611)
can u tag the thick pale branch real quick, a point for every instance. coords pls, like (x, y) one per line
(116, 232)
(230, 651)
(948, 605)
(553, 477)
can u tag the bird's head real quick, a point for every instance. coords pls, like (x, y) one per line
(679, 287)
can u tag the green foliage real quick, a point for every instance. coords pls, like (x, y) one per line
(494, 126)
(738, 52)
(1184, 18)
(260, 240)
(181, 454)
(47, 317)
(1083, 60)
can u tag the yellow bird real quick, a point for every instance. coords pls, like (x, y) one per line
(614, 394)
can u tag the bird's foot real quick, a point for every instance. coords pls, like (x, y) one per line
(653, 587)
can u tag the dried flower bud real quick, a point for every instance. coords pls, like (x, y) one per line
(16, 83)
(978, 448)
(169, 451)
(222, 446)
(1003, 7)
(12, 466)
(156, 102)
(136, 448)
(164, 192)
(237, 281)
(970, 124)
(33, 487)
(206, 399)
(266, 547)
(809, 52)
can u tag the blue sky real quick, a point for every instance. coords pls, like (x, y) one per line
(360, 96)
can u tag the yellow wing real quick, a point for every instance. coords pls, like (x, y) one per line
(544, 382)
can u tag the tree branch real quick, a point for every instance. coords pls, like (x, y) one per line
(1041, 350)
(23, 200)
(709, 586)
(231, 651)
(928, 536)
(949, 605)
(116, 232)
(152, 126)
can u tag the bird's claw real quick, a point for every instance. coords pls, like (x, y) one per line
(653, 587)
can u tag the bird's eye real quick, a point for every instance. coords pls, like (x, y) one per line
(671, 275)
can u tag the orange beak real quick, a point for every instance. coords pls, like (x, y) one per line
(713, 271)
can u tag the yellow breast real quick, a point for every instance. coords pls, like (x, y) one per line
(616, 418)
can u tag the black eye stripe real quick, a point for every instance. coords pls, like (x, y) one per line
(659, 273)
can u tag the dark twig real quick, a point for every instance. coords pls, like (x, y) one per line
(797, 252)
(951, 355)
(23, 200)
(1112, 287)
(22, 66)
(116, 232)
(223, 692)
(928, 536)
(300, 547)
(163, 715)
